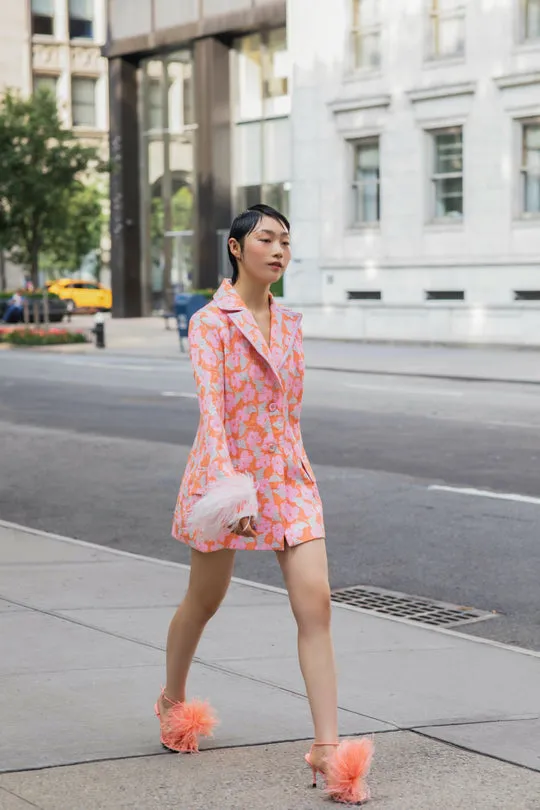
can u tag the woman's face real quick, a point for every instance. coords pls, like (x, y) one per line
(266, 252)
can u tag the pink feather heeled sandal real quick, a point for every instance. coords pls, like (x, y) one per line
(184, 724)
(346, 770)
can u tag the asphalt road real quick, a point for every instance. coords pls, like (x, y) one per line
(94, 447)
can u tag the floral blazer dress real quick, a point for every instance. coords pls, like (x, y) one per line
(250, 398)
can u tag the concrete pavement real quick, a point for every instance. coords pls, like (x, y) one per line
(82, 631)
(149, 337)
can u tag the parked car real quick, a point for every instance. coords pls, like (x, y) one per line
(82, 296)
(57, 308)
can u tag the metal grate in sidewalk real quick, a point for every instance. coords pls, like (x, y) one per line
(413, 608)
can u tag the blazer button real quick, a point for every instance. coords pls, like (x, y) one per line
(273, 448)
(272, 407)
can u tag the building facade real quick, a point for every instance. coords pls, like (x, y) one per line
(401, 139)
(415, 185)
(200, 127)
(56, 44)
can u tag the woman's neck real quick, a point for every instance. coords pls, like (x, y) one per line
(254, 296)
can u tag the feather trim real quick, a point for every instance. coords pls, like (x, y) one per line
(227, 500)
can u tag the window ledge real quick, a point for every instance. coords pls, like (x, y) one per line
(360, 228)
(527, 46)
(517, 79)
(361, 75)
(527, 221)
(434, 62)
(359, 103)
(85, 129)
(441, 91)
(444, 225)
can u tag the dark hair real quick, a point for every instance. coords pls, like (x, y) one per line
(245, 223)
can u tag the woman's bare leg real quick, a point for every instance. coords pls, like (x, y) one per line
(305, 571)
(208, 582)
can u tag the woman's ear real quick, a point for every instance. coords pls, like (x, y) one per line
(235, 248)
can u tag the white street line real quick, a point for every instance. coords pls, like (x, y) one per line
(485, 493)
(482, 422)
(109, 366)
(436, 392)
(178, 394)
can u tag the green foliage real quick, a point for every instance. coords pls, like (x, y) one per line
(81, 233)
(37, 295)
(42, 166)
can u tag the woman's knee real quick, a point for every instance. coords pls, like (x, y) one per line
(209, 581)
(205, 604)
(312, 605)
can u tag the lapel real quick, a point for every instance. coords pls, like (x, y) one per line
(284, 326)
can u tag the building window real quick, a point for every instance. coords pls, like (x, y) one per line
(155, 104)
(262, 134)
(81, 19)
(531, 19)
(83, 102)
(366, 183)
(530, 168)
(45, 83)
(43, 17)
(447, 174)
(366, 35)
(446, 28)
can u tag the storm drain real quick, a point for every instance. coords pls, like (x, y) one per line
(413, 608)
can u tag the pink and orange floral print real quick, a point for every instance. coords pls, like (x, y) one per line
(250, 399)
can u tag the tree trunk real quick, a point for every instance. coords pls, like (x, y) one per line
(34, 266)
(3, 283)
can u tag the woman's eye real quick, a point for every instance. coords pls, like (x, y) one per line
(286, 244)
(266, 240)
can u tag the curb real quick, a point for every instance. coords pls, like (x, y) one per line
(488, 642)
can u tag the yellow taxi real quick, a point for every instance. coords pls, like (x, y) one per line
(81, 296)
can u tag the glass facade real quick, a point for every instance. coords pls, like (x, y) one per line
(167, 154)
(260, 155)
(261, 125)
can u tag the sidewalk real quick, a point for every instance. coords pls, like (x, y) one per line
(82, 631)
(149, 337)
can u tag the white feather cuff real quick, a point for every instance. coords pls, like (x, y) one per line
(227, 500)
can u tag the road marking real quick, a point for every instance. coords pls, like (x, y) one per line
(480, 421)
(110, 366)
(178, 394)
(438, 392)
(116, 552)
(485, 493)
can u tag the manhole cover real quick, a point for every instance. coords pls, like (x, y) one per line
(414, 608)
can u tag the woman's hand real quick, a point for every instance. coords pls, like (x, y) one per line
(245, 527)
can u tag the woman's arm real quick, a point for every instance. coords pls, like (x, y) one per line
(229, 495)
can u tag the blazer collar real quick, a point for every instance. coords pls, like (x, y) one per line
(285, 324)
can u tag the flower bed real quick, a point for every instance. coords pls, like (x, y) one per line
(40, 337)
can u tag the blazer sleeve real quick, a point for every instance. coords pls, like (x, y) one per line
(229, 495)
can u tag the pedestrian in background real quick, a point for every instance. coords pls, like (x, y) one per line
(15, 308)
(248, 485)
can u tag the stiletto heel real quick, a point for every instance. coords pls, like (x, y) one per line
(184, 723)
(345, 770)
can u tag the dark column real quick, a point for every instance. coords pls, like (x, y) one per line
(125, 206)
(213, 155)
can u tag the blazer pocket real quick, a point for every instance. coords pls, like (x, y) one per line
(306, 466)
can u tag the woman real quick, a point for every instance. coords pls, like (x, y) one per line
(248, 485)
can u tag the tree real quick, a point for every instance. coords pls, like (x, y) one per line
(81, 233)
(42, 166)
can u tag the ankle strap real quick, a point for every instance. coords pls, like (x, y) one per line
(168, 699)
(316, 744)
